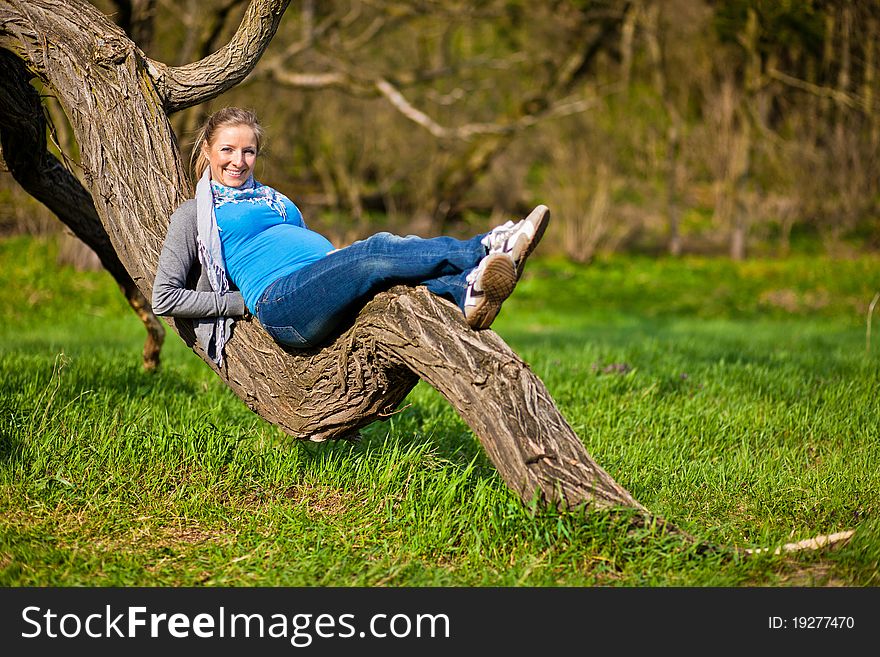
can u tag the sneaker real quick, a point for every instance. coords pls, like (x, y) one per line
(489, 284)
(519, 239)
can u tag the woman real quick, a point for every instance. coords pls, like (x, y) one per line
(291, 278)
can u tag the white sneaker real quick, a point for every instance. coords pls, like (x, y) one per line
(489, 284)
(519, 239)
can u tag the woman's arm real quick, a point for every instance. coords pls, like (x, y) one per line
(171, 296)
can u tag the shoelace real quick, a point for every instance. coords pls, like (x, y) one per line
(496, 237)
(471, 278)
(493, 240)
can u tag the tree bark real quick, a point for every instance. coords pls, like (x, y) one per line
(497, 394)
(118, 107)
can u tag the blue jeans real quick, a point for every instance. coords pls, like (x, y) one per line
(303, 308)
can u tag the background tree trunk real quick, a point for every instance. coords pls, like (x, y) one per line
(118, 103)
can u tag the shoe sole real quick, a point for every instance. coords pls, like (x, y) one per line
(497, 283)
(524, 246)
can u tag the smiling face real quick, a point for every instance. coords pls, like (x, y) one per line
(232, 154)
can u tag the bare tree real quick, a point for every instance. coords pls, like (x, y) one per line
(118, 102)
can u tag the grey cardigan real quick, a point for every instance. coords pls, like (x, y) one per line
(181, 288)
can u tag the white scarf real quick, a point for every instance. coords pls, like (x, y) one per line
(211, 258)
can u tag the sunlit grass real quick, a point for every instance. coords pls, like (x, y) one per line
(743, 415)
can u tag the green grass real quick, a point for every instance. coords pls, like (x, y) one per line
(737, 401)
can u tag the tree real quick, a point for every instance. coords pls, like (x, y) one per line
(118, 102)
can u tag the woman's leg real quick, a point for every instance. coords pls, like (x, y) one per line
(476, 274)
(303, 308)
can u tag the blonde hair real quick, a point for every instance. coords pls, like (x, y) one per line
(223, 118)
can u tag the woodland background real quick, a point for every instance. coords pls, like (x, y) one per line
(737, 128)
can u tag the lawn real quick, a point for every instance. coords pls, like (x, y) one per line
(738, 401)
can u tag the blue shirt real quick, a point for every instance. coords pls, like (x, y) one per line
(260, 247)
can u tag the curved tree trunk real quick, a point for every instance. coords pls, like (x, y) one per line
(118, 103)
(496, 393)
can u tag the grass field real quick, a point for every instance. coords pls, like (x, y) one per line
(737, 401)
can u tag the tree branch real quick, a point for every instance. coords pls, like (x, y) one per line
(849, 100)
(468, 131)
(180, 87)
